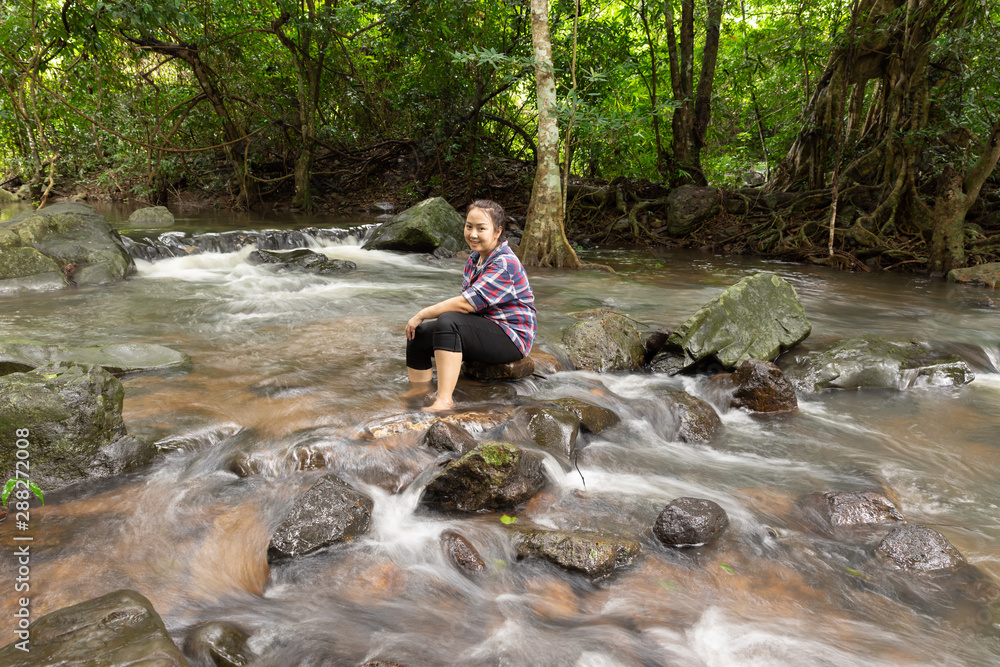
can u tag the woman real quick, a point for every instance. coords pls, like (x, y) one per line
(492, 321)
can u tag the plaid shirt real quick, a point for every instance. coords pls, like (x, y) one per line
(499, 291)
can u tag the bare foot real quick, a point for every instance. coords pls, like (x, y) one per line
(418, 390)
(440, 406)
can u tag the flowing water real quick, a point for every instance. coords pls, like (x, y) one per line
(286, 367)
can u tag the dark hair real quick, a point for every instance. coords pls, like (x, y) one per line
(493, 211)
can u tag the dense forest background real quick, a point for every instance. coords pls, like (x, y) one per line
(863, 133)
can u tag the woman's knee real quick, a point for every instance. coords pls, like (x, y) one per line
(448, 322)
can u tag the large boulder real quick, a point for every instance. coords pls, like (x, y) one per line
(493, 476)
(20, 356)
(302, 259)
(757, 318)
(690, 522)
(689, 206)
(120, 628)
(330, 512)
(920, 549)
(871, 362)
(151, 217)
(73, 416)
(423, 227)
(591, 554)
(59, 245)
(984, 274)
(604, 341)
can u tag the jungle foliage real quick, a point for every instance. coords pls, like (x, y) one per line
(870, 129)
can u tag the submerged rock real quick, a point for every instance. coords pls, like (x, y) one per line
(461, 553)
(850, 508)
(593, 418)
(914, 548)
(331, 511)
(218, 644)
(445, 437)
(474, 421)
(120, 628)
(60, 245)
(20, 356)
(690, 522)
(302, 259)
(983, 274)
(871, 362)
(762, 387)
(73, 413)
(150, 217)
(493, 476)
(515, 370)
(757, 318)
(592, 554)
(607, 341)
(424, 227)
(552, 429)
(697, 419)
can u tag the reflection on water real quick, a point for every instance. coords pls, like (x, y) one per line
(287, 367)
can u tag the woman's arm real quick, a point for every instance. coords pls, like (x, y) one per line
(456, 304)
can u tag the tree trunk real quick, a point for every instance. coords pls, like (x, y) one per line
(544, 242)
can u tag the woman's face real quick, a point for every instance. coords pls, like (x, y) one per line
(480, 233)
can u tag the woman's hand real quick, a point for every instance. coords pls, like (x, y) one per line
(411, 326)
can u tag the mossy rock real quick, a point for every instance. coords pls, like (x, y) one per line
(983, 274)
(592, 554)
(593, 418)
(19, 356)
(151, 217)
(493, 476)
(607, 341)
(430, 224)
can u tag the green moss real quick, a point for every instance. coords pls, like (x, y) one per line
(496, 453)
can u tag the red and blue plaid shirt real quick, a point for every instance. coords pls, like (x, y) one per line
(499, 291)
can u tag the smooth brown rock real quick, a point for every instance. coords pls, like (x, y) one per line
(445, 437)
(687, 522)
(593, 418)
(515, 370)
(461, 553)
(698, 420)
(762, 387)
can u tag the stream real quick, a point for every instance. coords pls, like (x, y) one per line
(287, 367)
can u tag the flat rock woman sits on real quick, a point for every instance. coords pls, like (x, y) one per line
(492, 321)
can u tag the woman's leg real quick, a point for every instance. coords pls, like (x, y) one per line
(419, 352)
(449, 365)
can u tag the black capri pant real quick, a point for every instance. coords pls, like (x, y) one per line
(477, 338)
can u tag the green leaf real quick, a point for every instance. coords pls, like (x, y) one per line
(726, 568)
(507, 520)
(855, 573)
(7, 488)
(38, 492)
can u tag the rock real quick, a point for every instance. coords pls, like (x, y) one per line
(382, 663)
(445, 437)
(757, 318)
(552, 429)
(871, 362)
(493, 476)
(697, 420)
(914, 548)
(461, 553)
(59, 245)
(983, 274)
(73, 413)
(151, 217)
(592, 554)
(515, 370)
(120, 628)
(24, 192)
(593, 418)
(688, 206)
(428, 225)
(328, 513)
(852, 508)
(442, 253)
(762, 387)
(654, 342)
(218, 644)
(474, 421)
(690, 522)
(19, 356)
(668, 360)
(545, 363)
(8, 197)
(383, 207)
(301, 259)
(606, 342)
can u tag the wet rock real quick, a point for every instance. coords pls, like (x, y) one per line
(330, 512)
(762, 387)
(593, 418)
(218, 644)
(871, 362)
(515, 370)
(688, 206)
(120, 628)
(442, 253)
(461, 553)
(697, 419)
(150, 217)
(914, 548)
(302, 259)
(668, 360)
(983, 274)
(474, 421)
(493, 476)
(689, 522)
(60, 245)
(73, 413)
(474, 391)
(20, 356)
(545, 363)
(445, 437)
(592, 554)
(851, 508)
(608, 341)
(428, 225)
(757, 318)
(552, 429)
(654, 342)
(382, 663)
